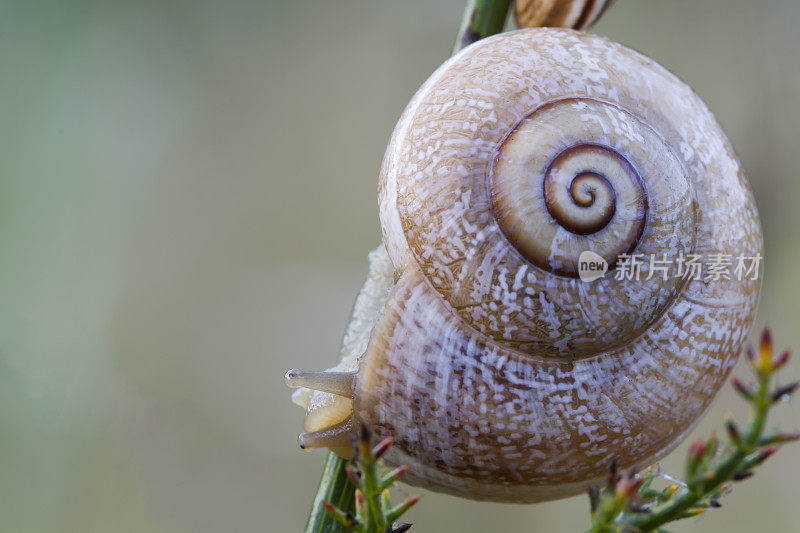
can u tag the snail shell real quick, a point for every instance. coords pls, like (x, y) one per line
(501, 374)
(577, 14)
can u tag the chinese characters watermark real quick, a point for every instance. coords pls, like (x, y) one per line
(714, 267)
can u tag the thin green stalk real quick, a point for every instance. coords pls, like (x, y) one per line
(482, 18)
(629, 503)
(374, 511)
(678, 506)
(334, 487)
(371, 491)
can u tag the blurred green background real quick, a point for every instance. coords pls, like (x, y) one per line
(187, 198)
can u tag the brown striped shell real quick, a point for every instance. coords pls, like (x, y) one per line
(576, 14)
(500, 373)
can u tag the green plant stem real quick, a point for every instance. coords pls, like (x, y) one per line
(482, 18)
(676, 507)
(334, 487)
(371, 493)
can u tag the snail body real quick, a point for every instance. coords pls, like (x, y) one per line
(499, 372)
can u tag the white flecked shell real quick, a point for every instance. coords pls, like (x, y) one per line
(498, 379)
(498, 372)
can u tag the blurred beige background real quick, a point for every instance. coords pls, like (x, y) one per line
(187, 200)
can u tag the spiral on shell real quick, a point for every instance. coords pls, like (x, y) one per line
(500, 373)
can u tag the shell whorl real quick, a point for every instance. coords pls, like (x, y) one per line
(561, 185)
(482, 198)
(500, 373)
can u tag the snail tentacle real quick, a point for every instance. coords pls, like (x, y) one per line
(337, 437)
(338, 383)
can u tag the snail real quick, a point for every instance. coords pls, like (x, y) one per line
(577, 14)
(500, 373)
